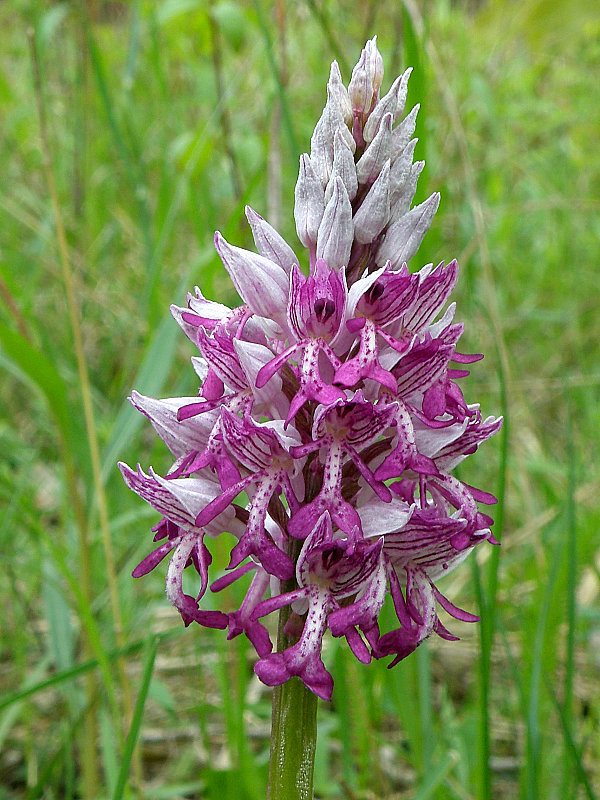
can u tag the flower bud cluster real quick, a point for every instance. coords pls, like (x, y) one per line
(329, 403)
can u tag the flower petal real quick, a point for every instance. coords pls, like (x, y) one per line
(269, 243)
(250, 274)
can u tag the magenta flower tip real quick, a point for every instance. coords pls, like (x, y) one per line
(329, 417)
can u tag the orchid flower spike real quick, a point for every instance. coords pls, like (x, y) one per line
(329, 416)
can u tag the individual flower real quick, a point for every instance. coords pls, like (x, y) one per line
(328, 571)
(329, 417)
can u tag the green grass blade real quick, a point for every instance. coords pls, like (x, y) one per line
(417, 91)
(572, 747)
(80, 669)
(110, 757)
(486, 599)
(484, 668)
(345, 715)
(177, 790)
(131, 163)
(534, 733)
(436, 776)
(426, 712)
(30, 365)
(8, 719)
(136, 722)
(56, 609)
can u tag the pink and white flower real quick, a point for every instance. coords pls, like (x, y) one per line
(329, 416)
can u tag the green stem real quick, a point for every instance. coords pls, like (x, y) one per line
(293, 725)
(293, 741)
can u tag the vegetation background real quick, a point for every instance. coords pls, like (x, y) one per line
(159, 121)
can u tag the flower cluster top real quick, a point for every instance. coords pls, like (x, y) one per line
(331, 402)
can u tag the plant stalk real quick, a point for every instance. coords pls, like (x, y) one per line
(293, 728)
(293, 742)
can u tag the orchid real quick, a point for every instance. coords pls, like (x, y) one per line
(329, 418)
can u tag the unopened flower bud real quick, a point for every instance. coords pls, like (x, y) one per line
(392, 103)
(404, 236)
(336, 231)
(400, 170)
(309, 206)
(403, 133)
(366, 79)
(343, 167)
(377, 153)
(322, 140)
(374, 212)
(339, 94)
(404, 195)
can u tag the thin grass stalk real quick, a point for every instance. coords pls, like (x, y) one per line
(534, 733)
(99, 491)
(223, 109)
(484, 668)
(100, 494)
(487, 599)
(413, 38)
(278, 79)
(274, 160)
(90, 773)
(92, 436)
(572, 748)
(494, 561)
(136, 720)
(130, 164)
(80, 124)
(148, 300)
(323, 22)
(14, 309)
(86, 395)
(567, 706)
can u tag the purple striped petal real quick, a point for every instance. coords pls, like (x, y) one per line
(250, 274)
(180, 436)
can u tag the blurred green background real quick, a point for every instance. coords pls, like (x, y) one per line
(162, 120)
